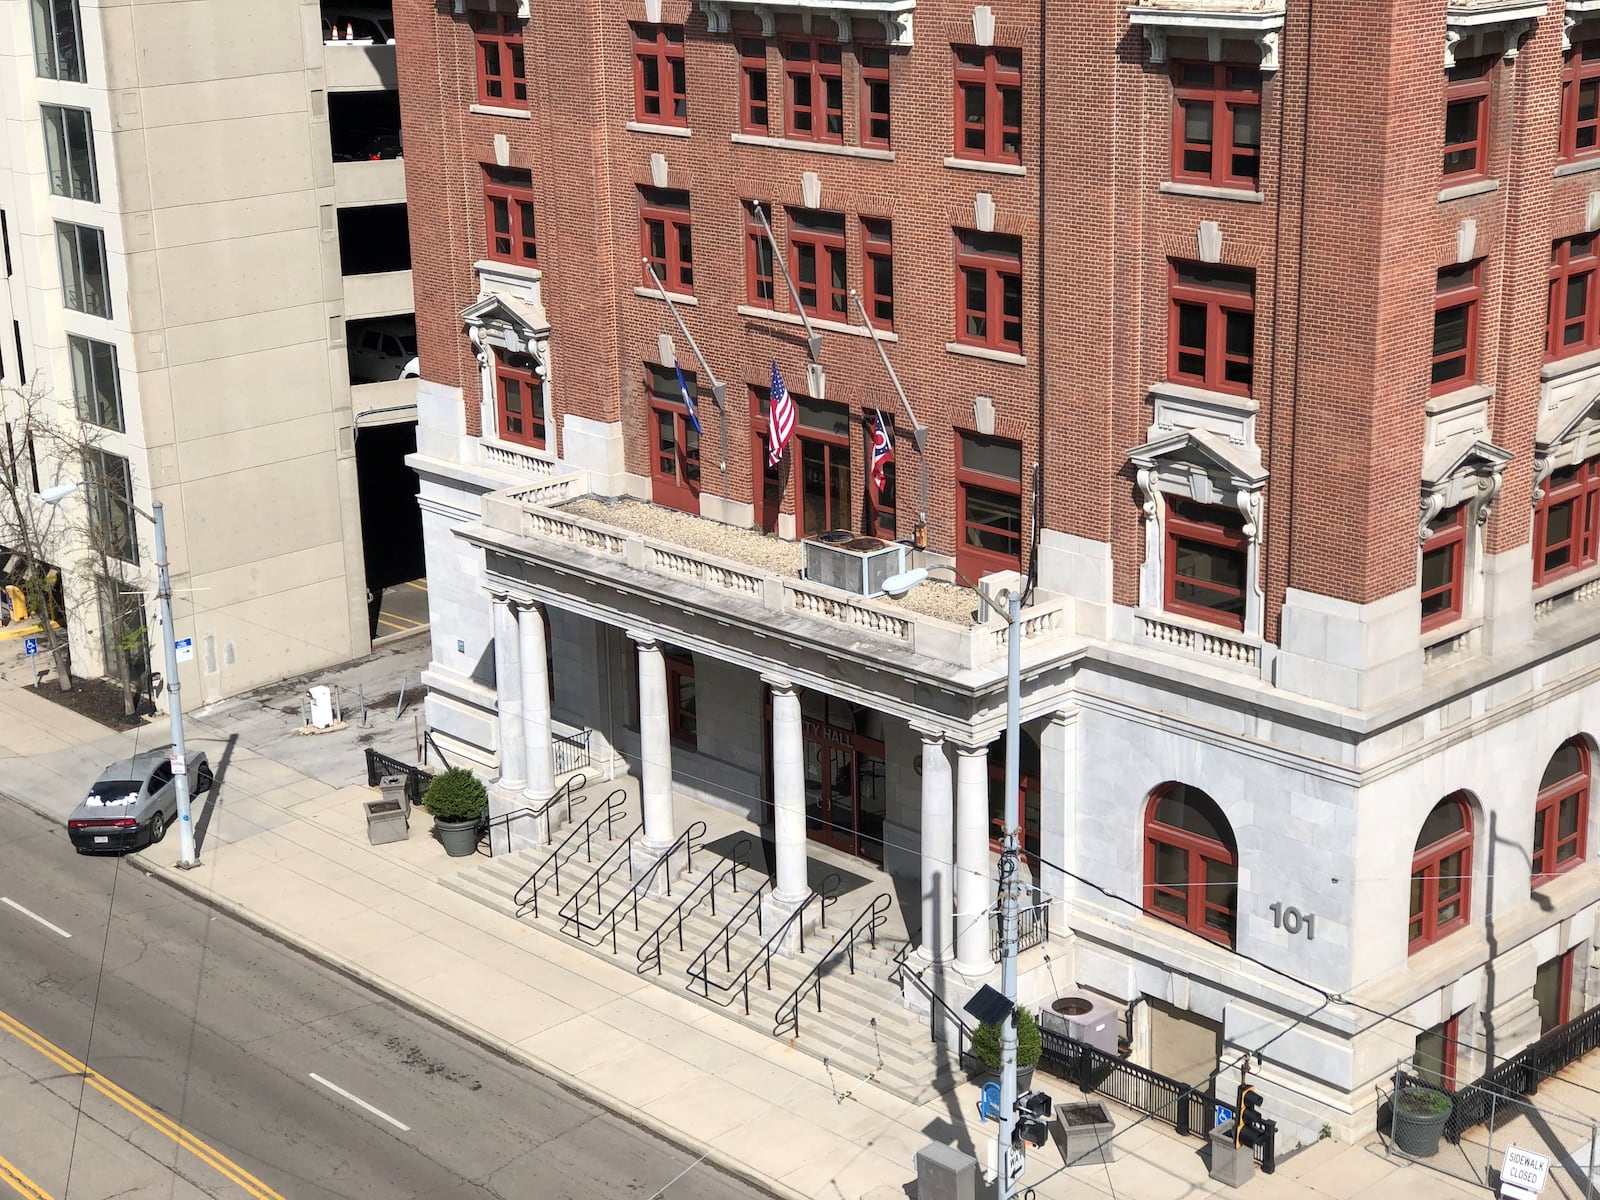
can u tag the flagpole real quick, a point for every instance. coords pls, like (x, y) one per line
(919, 431)
(813, 338)
(718, 391)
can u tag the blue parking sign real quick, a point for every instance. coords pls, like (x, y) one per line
(30, 646)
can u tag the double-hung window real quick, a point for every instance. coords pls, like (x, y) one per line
(874, 62)
(1580, 101)
(1444, 568)
(813, 98)
(1207, 562)
(989, 290)
(84, 273)
(1561, 814)
(1216, 124)
(660, 88)
(58, 40)
(877, 243)
(989, 504)
(96, 387)
(817, 258)
(1466, 120)
(1455, 327)
(988, 104)
(753, 104)
(668, 239)
(1573, 325)
(758, 264)
(508, 216)
(1441, 874)
(519, 399)
(1213, 327)
(502, 70)
(111, 505)
(69, 152)
(1566, 523)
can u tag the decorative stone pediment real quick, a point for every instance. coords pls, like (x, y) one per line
(1578, 415)
(507, 323)
(1216, 21)
(893, 15)
(1576, 12)
(1469, 469)
(1192, 451)
(519, 7)
(1477, 28)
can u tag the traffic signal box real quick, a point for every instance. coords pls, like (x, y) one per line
(1252, 1129)
(1033, 1119)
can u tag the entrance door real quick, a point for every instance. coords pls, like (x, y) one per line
(823, 499)
(1183, 1045)
(845, 775)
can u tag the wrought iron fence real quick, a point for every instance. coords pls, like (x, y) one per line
(1033, 927)
(572, 751)
(380, 764)
(1186, 1107)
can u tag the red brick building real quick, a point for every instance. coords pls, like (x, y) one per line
(1261, 337)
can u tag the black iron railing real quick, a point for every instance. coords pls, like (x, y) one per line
(721, 945)
(380, 765)
(571, 751)
(938, 1009)
(504, 822)
(575, 917)
(1033, 926)
(601, 822)
(703, 892)
(1186, 1107)
(866, 925)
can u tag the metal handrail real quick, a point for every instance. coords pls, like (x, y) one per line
(904, 974)
(564, 793)
(649, 951)
(867, 922)
(572, 922)
(608, 811)
(761, 960)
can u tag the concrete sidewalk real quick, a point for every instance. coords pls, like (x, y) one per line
(288, 853)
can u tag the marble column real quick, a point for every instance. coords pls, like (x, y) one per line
(508, 702)
(974, 888)
(535, 674)
(655, 750)
(789, 884)
(938, 848)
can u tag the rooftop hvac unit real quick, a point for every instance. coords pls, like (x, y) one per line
(843, 560)
(1083, 1018)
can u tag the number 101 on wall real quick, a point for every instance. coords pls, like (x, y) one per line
(1291, 920)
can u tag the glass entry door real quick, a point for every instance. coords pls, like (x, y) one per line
(846, 790)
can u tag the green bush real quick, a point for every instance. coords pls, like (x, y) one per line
(986, 1042)
(1423, 1101)
(456, 795)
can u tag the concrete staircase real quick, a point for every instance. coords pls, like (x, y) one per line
(863, 1029)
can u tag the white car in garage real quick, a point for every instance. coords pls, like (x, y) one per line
(381, 352)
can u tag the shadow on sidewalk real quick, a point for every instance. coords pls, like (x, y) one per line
(219, 776)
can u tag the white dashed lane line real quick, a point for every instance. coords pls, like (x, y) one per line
(10, 903)
(357, 1100)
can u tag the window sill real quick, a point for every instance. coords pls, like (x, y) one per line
(485, 110)
(1226, 401)
(1567, 583)
(1477, 187)
(1206, 191)
(1578, 166)
(1461, 397)
(978, 164)
(675, 297)
(681, 131)
(783, 318)
(1572, 364)
(756, 139)
(988, 355)
(1449, 643)
(493, 266)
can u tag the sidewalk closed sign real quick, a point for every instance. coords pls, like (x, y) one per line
(1523, 1173)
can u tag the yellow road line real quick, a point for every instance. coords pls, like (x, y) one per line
(23, 1185)
(421, 585)
(127, 1100)
(409, 621)
(392, 625)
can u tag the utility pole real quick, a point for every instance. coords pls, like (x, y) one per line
(1010, 855)
(180, 765)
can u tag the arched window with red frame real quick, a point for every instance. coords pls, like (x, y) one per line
(1441, 873)
(1561, 820)
(1191, 863)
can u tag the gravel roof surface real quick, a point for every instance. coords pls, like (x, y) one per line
(941, 600)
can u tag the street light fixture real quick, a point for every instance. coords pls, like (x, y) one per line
(1008, 1158)
(180, 769)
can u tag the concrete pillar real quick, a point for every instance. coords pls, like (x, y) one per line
(974, 892)
(535, 673)
(655, 747)
(938, 848)
(789, 884)
(508, 701)
(1058, 794)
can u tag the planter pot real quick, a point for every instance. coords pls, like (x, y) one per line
(979, 1074)
(1417, 1133)
(459, 838)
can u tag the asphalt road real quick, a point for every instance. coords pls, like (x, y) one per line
(215, 1053)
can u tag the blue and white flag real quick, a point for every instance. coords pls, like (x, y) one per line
(688, 400)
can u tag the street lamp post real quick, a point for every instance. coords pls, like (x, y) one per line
(180, 767)
(1010, 857)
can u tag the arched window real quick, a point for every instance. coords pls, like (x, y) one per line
(1191, 863)
(1441, 873)
(1560, 822)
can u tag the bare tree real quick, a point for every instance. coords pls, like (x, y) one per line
(27, 527)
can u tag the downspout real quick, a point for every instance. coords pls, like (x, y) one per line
(1038, 471)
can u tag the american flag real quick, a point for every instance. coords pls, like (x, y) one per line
(882, 452)
(780, 411)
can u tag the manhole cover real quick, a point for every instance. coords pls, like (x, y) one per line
(1071, 1006)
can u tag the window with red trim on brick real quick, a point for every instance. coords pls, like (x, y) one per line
(1191, 863)
(758, 264)
(1580, 101)
(880, 501)
(1561, 820)
(1213, 327)
(1455, 327)
(988, 104)
(988, 504)
(660, 90)
(989, 290)
(877, 244)
(667, 238)
(508, 216)
(683, 722)
(1573, 324)
(769, 485)
(1566, 523)
(1444, 562)
(674, 444)
(1216, 124)
(813, 90)
(817, 258)
(1207, 562)
(502, 72)
(753, 107)
(519, 399)
(1441, 874)
(1466, 120)
(874, 61)
(1433, 1058)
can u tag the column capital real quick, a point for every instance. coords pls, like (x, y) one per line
(779, 684)
(525, 604)
(927, 733)
(972, 749)
(500, 596)
(645, 641)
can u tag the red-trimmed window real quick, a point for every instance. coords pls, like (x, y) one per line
(758, 264)
(1441, 874)
(753, 106)
(1561, 820)
(874, 62)
(660, 92)
(880, 501)
(1213, 327)
(519, 399)
(1552, 992)
(1566, 523)
(813, 90)
(1466, 120)
(1580, 101)
(1444, 563)
(674, 444)
(769, 488)
(988, 104)
(667, 238)
(502, 72)
(877, 244)
(817, 258)
(1216, 124)
(989, 290)
(1573, 324)
(1455, 327)
(1191, 863)
(1434, 1058)
(508, 216)
(988, 504)
(683, 721)
(1207, 562)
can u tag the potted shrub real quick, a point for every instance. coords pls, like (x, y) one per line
(986, 1051)
(1419, 1118)
(457, 801)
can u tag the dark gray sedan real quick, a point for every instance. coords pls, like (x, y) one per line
(133, 802)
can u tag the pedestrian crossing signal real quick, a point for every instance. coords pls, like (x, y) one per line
(1033, 1119)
